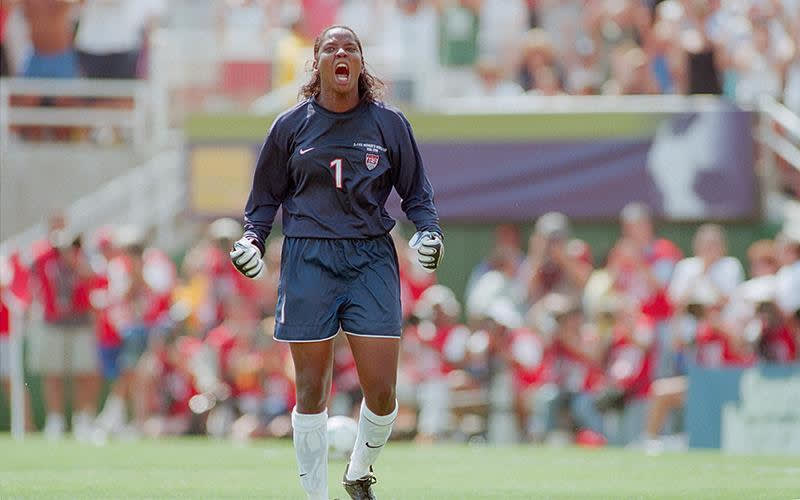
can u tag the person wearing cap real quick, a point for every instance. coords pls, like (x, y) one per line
(65, 343)
(555, 264)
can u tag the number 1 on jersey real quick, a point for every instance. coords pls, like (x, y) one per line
(337, 166)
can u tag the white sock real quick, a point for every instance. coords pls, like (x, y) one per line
(373, 432)
(114, 414)
(310, 438)
(54, 425)
(81, 419)
(82, 425)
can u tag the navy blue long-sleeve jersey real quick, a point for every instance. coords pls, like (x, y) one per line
(332, 173)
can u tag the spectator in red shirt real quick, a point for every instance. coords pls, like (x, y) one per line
(629, 371)
(653, 257)
(715, 345)
(65, 344)
(139, 293)
(568, 402)
(555, 264)
(652, 260)
(531, 361)
(5, 62)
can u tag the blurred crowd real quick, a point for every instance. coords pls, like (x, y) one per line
(427, 49)
(548, 345)
(548, 342)
(599, 351)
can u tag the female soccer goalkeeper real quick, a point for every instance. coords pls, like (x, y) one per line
(331, 162)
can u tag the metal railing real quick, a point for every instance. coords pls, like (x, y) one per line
(134, 119)
(779, 130)
(778, 133)
(149, 195)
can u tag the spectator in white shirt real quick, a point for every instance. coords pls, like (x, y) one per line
(710, 267)
(111, 34)
(490, 81)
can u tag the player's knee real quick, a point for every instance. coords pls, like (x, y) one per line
(311, 398)
(382, 400)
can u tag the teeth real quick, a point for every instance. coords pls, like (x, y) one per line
(342, 77)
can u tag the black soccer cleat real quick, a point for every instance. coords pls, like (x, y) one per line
(360, 489)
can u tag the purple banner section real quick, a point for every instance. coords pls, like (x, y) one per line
(696, 166)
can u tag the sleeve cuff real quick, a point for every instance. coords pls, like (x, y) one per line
(255, 240)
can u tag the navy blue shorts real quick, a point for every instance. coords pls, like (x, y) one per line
(331, 283)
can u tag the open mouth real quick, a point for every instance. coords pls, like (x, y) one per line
(342, 73)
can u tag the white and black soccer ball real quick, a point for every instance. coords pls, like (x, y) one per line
(342, 433)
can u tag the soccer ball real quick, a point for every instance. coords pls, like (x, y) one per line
(341, 437)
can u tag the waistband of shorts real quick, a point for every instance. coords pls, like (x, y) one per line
(368, 238)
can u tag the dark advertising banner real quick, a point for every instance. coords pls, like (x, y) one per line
(686, 166)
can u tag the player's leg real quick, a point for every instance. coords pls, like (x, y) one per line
(84, 366)
(49, 352)
(376, 361)
(309, 298)
(372, 318)
(112, 416)
(668, 394)
(313, 362)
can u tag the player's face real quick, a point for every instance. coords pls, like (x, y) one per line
(339, 62)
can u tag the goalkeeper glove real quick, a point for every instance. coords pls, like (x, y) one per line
(430, 249)
(246, 258)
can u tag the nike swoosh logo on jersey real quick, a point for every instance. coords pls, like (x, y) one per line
(373, 447)
(304, 474)
(304, 151)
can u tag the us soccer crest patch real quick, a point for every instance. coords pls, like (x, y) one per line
(372, 160)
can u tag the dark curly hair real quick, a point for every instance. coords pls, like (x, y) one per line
(370, 87)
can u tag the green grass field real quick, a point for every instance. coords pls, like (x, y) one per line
(202, 468)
